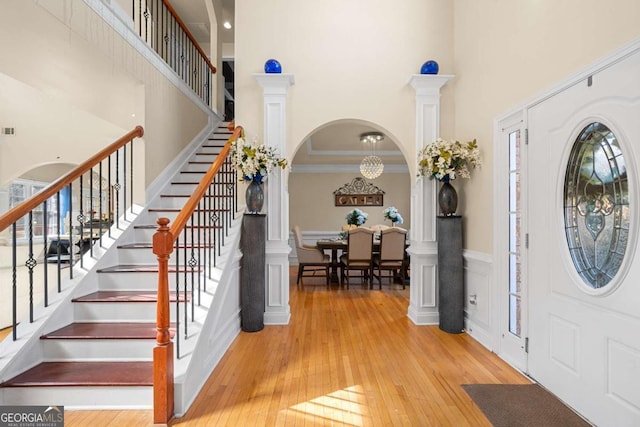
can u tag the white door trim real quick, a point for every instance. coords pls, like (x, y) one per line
(509, 348)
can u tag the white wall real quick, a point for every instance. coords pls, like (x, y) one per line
(507, 52)
(353, 60)
(50, 129)
(312, 203)
(67, 52)
(350, 60)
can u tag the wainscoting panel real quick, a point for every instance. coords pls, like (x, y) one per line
(480, 304)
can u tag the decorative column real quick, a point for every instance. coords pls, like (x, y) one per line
(450, 274)
(277, 310)
(423, 304)
(252, 281)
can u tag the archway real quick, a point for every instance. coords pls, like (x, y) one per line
(327, 159)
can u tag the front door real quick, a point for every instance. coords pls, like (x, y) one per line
(583, 266)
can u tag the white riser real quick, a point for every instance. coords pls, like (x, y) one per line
(128, 281)
(180, 189)
(188, 177)
(170, 202)
(179, 202)
(146, 235)
(140, 397)
(117, 311)
(134, 281)
(151, 218)
(143, 234)
(79, 350)
(138, 256)
(195, 167)
(205, 157)
(146, 256)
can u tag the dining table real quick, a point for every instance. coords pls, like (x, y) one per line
(337, 246)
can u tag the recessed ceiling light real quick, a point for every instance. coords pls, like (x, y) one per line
(227, 25)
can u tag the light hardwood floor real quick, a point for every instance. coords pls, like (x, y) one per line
(348, 357)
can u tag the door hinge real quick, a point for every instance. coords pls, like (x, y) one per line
(526, 136)
(526, 345)
(526, 241)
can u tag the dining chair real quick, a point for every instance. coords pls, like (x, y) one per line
(310, 258)
(379, 227)
(359, 255)
(392, 255)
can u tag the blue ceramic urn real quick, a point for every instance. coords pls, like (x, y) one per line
(272, 66)
(429, 67)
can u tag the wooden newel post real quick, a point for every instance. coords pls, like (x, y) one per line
(163, 351)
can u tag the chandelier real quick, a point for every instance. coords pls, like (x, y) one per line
(371, 166)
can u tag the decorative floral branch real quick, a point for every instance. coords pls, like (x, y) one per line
(445, 160)
(254, 162)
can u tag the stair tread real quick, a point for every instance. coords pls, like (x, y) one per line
(126, 296)
(140, 268)
(189, 195)
(198, 182)
(178, 210)
(155, 227)
(150, 245)
(106, 330)
(66, 374)
(219, 172)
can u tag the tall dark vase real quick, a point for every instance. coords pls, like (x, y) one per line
(447, 198)
(254, 197)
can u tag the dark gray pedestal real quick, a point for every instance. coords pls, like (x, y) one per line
(450, 274)
(252, 272)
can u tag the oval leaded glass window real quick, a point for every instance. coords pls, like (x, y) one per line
(596, 205)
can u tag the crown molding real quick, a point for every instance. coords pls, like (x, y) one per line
(317, 168)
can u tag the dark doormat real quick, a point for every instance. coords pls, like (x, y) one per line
(522, 405)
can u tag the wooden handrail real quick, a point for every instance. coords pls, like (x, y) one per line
(173, 12)
(28, 205)
(191, 205)
(163, 245)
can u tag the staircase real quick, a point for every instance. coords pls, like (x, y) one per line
(103, 358)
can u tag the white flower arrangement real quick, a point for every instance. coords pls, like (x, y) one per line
(356, 217)
(254, 162)
(391, 213)
(445, 160)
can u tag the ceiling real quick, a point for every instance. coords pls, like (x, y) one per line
(335, 144)
(194, 14)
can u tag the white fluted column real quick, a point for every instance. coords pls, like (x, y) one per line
(423, 305)
(277, 309)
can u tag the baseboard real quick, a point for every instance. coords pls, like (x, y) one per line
(277, 318)
(423, 319)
